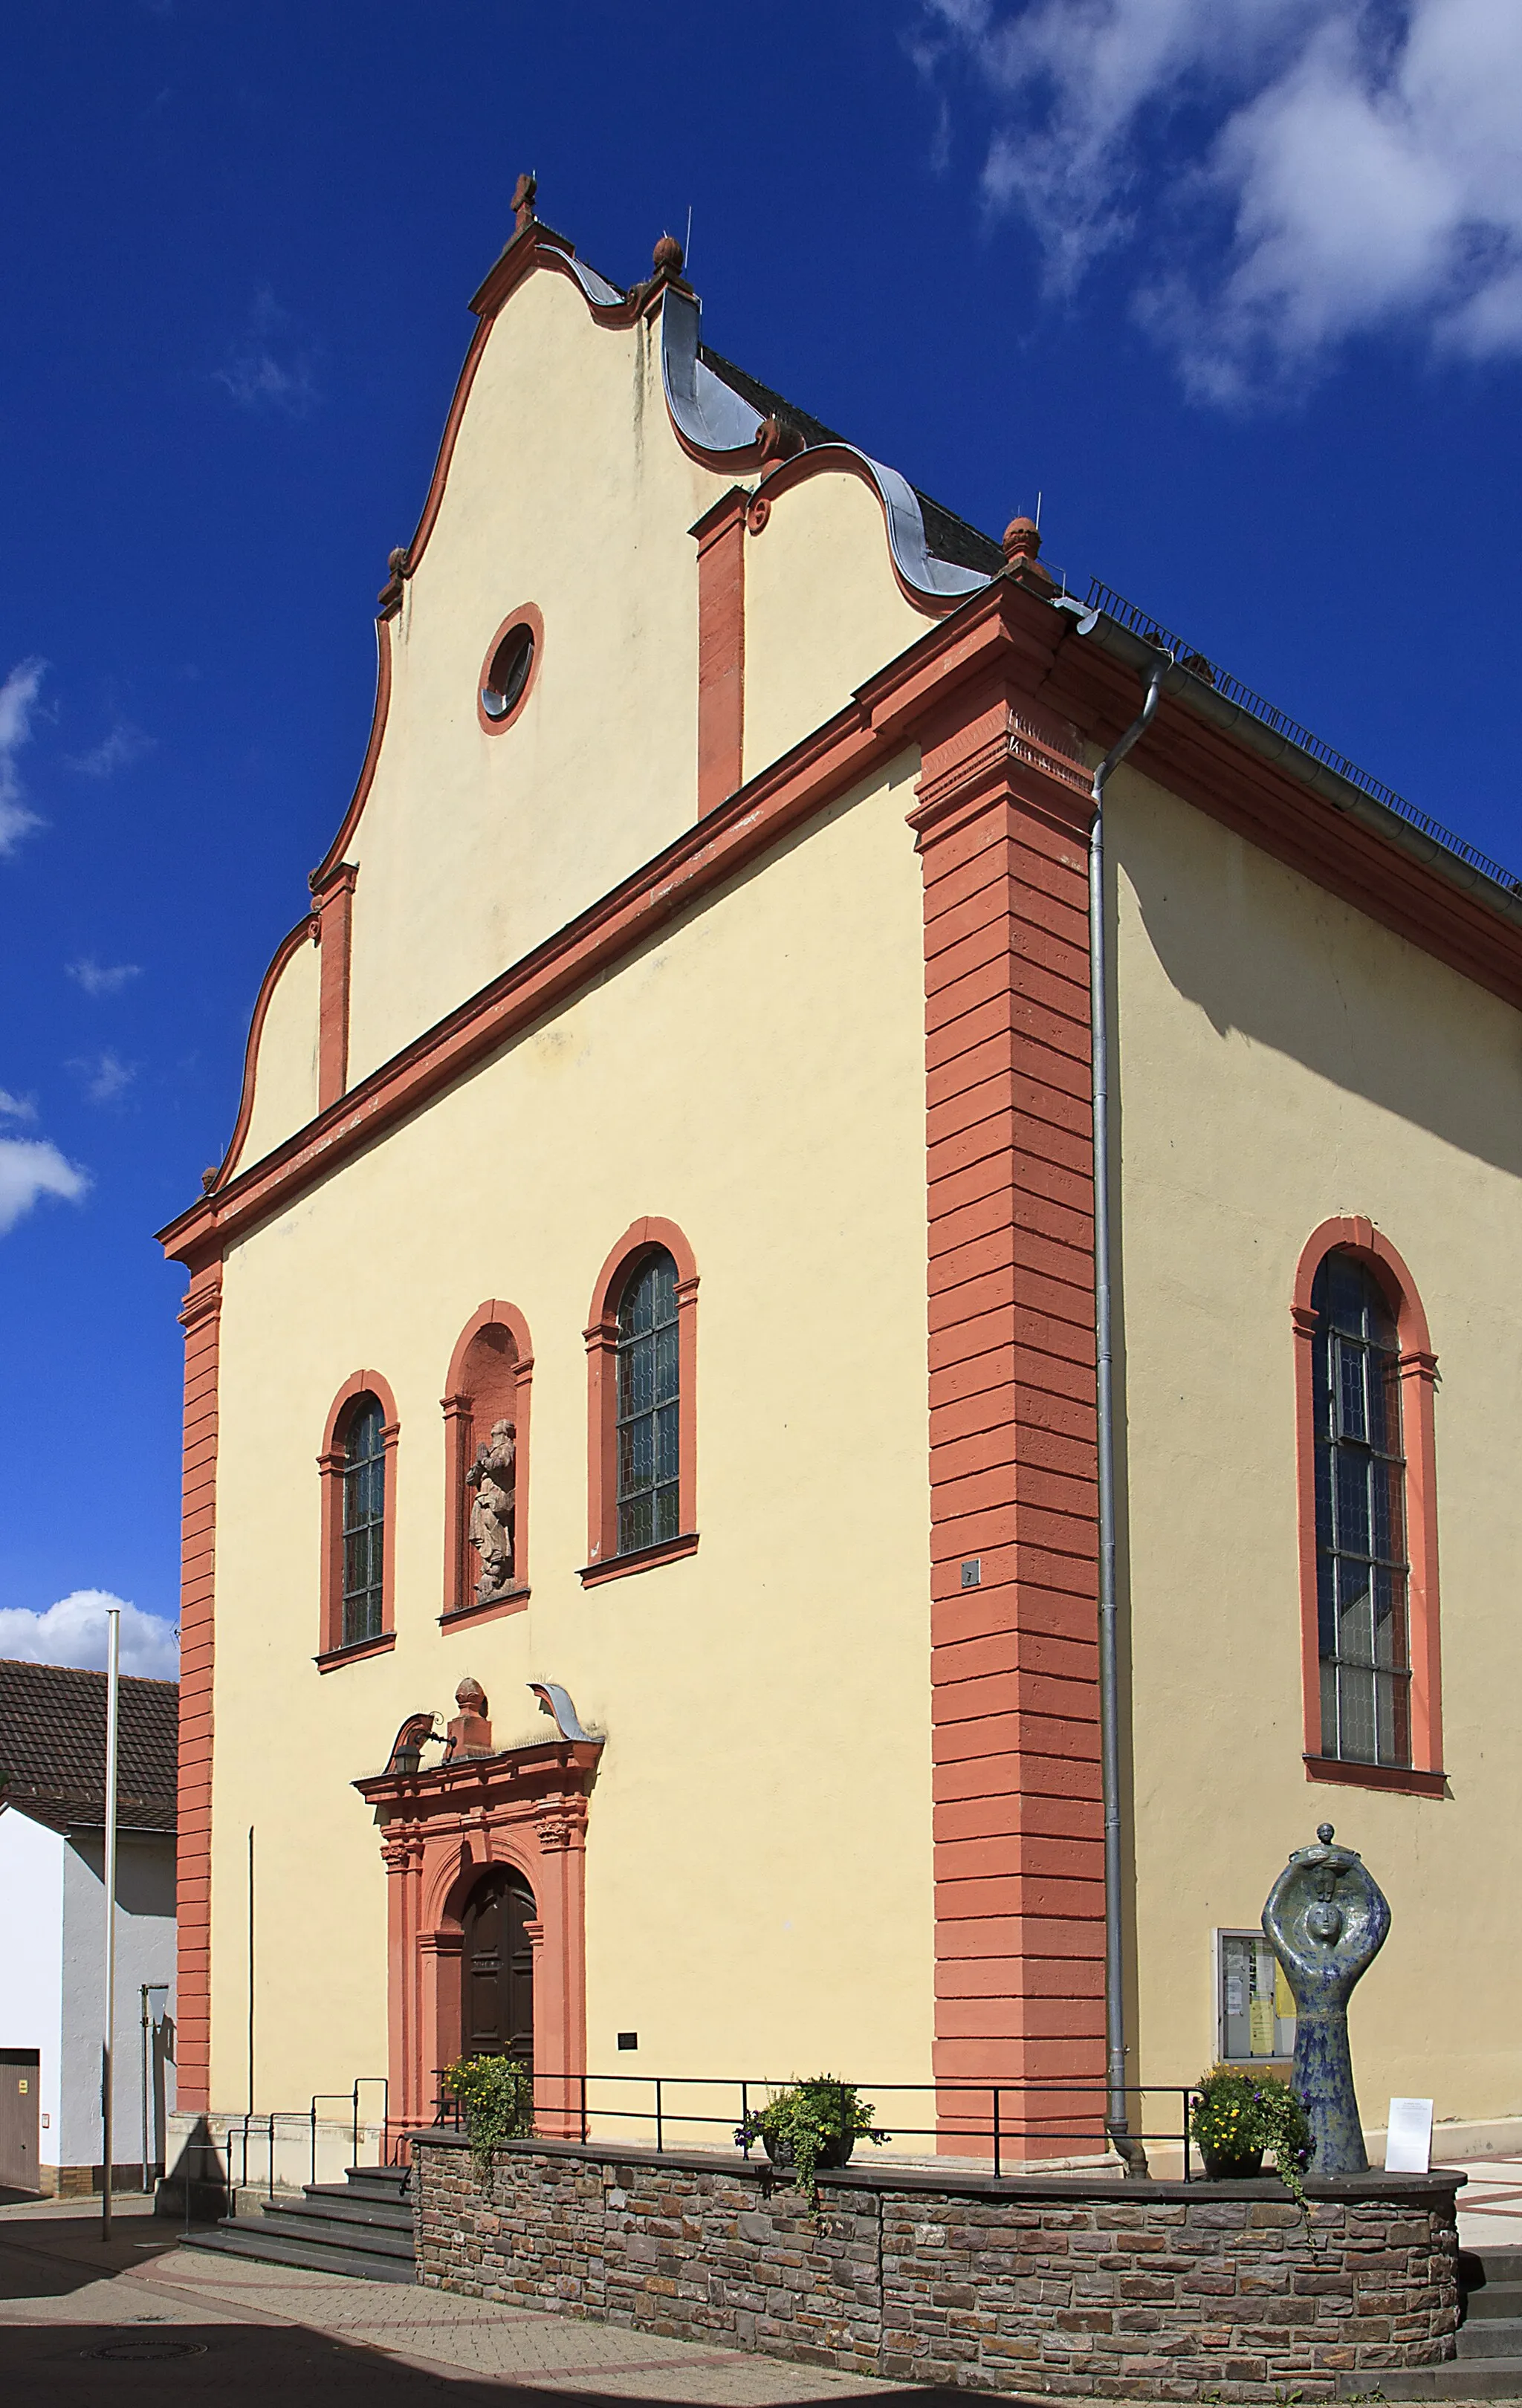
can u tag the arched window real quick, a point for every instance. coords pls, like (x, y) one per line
(363, 1522)
(641, 1343)
(648, 1389)
(358, 1467)
(1362, 1573)
(1365, 1378)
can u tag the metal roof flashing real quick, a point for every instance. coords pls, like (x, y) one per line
(1233, 719)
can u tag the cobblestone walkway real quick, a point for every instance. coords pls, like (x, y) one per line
(141, 2297)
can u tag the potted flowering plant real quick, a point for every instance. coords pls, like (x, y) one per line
(1234, 2116)
(497, 2096)
(810, 2126)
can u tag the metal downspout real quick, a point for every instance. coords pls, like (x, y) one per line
(1128, 2148)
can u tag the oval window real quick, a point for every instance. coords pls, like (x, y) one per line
(506, 674)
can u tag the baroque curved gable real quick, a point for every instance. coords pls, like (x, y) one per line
(587, 438)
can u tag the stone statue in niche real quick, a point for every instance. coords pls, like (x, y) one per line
(491, 1515)
(1326, 1920)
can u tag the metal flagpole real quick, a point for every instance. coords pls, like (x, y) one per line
(113, 1671)
(143, 2032)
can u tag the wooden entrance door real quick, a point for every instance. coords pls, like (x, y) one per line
(18, 2118)
(496, 2004)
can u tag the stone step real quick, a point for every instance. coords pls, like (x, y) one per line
(1490, 2337)
(331, 2200)
(1482, 2378)
(1478, 2267)
(1494, 2299)
(249, 2239)
(336, 2231)
(376, 2181)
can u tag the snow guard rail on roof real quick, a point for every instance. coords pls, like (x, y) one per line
(1140, 623)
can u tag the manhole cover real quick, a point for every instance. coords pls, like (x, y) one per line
(150, 2345)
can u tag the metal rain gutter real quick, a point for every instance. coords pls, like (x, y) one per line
(1128, 2146)
(1232, 718)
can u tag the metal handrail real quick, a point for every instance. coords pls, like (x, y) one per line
(268, 2118)
(961, 2120)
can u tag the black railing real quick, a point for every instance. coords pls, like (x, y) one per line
(1018, 2122)
(1115, 605)
(267, 2124)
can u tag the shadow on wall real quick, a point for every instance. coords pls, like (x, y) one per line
(1269, 955)
(195, 2188)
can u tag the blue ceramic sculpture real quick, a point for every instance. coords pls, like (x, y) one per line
(1326, 1921)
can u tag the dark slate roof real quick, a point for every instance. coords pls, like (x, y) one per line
(52, 1748)
(947, 536)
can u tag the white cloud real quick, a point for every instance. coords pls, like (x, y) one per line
(30, 1168)
(106, 1077)
(73, 1631)
(16, 1108)
(17, 701)
(1290, 172)
(116, 750)
(100, 978)
(255, 373)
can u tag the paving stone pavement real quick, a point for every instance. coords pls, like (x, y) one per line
(142, 2323)
(182, 2323)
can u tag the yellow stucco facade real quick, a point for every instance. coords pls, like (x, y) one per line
(761, 1817)
(1285, 1060)
(772, 1880)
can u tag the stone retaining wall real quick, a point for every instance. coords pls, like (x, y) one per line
(1061, 2284)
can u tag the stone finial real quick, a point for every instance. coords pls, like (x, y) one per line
(208, 1177)
(668, 257)
(779, 439)
(470, 1732)
(522, 202)
(1022, 556)
(396, 570)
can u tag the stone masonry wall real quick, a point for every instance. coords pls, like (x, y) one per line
(1157, 2290)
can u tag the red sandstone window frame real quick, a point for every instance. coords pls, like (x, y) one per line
(604, 1562)
(331, 1466)
(526, 615)
(1418, 1368)
(460, 1606)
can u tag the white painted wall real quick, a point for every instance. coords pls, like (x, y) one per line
(145, 1952)
(31, 1955)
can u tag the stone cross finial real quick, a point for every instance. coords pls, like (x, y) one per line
(523, 201)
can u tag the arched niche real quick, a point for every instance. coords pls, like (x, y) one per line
(489, 1379)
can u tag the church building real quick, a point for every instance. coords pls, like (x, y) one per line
(705, 1556)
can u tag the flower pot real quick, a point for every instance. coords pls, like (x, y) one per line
(1219, 2167)
(835, 2151)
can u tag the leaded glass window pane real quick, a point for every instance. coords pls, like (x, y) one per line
(649, 1378)
(1360, 1484)
(363, 1522)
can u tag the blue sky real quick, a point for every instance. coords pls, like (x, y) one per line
(1236, 284)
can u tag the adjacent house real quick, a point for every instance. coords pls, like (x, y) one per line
(53, 1897)
(652, 1481)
